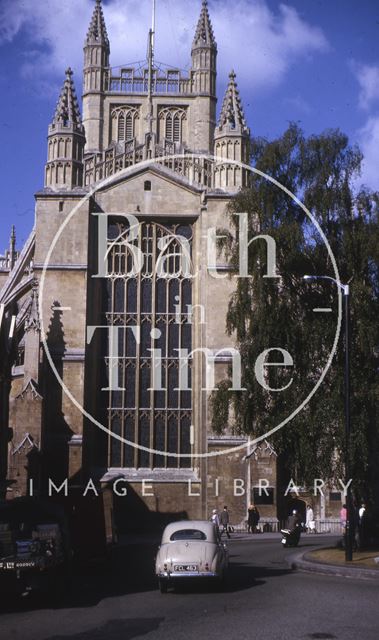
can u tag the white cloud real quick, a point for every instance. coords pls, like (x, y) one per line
(368, 139)
(368, 78)
(259, 44)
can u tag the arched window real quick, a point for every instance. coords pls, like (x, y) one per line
(172, 119)
(154, 416)
(123, 123)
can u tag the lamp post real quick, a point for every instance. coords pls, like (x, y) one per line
(346, 309)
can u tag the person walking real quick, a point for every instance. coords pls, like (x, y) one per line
(309, 520)
(215, 518)
(343, 518)
(224, 521)
(256, 518)
(250, 519)
(362, 526)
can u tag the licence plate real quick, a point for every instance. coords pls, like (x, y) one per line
(185, 567)
(18, 564)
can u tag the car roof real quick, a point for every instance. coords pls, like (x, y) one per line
(200, 525)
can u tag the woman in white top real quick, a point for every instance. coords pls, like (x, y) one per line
(310, 522)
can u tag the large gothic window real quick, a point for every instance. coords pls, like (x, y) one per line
(155, 416)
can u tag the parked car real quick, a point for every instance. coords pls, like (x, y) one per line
(190, 549)
(35, 551)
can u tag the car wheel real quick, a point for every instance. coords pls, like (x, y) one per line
(163, 585)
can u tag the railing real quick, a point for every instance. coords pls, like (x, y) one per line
(128, 82)
(197, 170)
(273, 525)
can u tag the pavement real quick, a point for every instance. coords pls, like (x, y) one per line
(303, 561)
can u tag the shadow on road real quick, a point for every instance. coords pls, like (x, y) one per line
(130, 569)
(116, 629)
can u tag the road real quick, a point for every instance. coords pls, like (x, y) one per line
(263, 599)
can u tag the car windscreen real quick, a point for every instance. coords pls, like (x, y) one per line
(188, 534)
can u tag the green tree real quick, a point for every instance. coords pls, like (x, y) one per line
(264, 312)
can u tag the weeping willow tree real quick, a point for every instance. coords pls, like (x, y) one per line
(276, 316)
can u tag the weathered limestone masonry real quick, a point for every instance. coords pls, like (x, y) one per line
(140, 130)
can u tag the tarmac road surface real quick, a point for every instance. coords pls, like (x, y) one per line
(262, 599)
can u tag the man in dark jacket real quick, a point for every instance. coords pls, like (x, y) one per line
(294, 523)
(224, 521)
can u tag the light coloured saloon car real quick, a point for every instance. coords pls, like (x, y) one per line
(190, 549)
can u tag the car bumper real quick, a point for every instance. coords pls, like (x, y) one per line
(187, 574)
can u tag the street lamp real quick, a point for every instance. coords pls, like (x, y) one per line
(346, 307)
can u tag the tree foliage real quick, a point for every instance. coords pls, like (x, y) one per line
(322, 172)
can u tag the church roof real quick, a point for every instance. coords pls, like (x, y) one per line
(97, 31)
(232, 114)
(67, 109)
(204, 31)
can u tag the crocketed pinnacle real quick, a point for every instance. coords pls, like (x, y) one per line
(32, 316)
(67, 109)
(232, 111)
(204, 32)
(97, 31)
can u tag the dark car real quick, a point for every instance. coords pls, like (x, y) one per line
(35, 549)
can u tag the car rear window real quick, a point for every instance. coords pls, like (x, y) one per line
(188, 534)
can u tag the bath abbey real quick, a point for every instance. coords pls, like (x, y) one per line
(118, 284)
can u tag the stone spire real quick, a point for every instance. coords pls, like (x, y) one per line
(204, 32)
(12, 248)
(96, 74)
(64, 168)
(232, 141)
(97, 31)
(67, 109)
(232, 115)
(204, 66)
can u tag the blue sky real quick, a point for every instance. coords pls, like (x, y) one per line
(311, 61)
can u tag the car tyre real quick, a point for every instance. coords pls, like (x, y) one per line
(163, 585)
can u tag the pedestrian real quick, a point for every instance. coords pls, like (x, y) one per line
(256, 518)
(250, 519)
(343, 518)
(362, 526)
(309, 520)
(215, 518)
(361, 512)
(224, 521)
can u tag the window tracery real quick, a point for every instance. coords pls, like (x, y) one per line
(154, 416)
(124, 123)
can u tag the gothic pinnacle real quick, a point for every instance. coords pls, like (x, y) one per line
(204, 32)
(232, 111)
(67, 109)
(97, 32)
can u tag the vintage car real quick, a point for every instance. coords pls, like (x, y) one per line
(35, 553)
(190, 549)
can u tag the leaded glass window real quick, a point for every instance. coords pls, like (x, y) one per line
(154, 416)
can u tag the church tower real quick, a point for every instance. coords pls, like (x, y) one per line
(231, 140)
(95, 70)
(64, 168)
(204, 63)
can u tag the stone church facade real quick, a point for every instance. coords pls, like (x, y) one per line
(79, 323)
